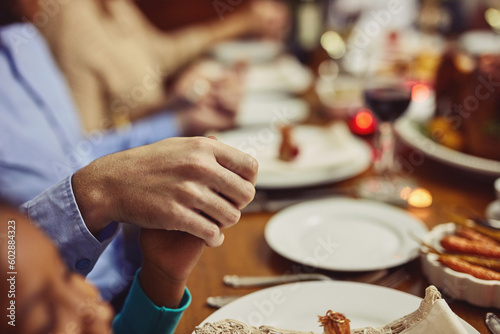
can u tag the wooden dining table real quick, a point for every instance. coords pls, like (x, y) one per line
(245, 251)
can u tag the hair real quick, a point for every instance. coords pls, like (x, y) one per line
(9, 12)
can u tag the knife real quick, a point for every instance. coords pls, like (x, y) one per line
(493, 323)
(219, 301)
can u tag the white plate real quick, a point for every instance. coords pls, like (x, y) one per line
(345, 234)
(284, 74)
(251, 51)
(262, 108)
(297, 306)
(327, 154)
(409, 132)
(453, 283)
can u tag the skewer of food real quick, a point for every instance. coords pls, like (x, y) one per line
(470, 251)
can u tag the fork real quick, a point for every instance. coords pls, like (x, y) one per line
(236, 281)
(380, 277)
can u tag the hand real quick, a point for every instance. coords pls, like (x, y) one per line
(269, 18)
(168, 259)
(214, 94)
(196, 185)
(201, 118)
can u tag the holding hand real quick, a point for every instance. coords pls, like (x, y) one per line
(196, 185)
(168, 259)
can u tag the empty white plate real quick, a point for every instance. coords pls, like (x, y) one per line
(263, 108)
(345, 234)
(251, 51)
(284, 74)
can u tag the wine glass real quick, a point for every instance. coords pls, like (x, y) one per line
(387, 92)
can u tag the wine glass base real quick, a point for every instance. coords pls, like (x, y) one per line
(385, 188)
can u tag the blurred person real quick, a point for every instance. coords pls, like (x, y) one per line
(116, 61)
(77, 190)
(49, 298)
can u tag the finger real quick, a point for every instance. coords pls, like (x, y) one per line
(232, 187)
(213, 137)
(196, 224)
(218, 209)
(237, 162)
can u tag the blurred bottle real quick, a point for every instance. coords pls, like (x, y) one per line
(308, 25)
(452, 17)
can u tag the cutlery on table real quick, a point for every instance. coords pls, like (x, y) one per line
(493, 323)
(255, 281)
(379, 277)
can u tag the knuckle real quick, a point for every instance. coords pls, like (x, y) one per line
(253, 165)
(232, 217)
(211, 232)
(201, 143)
(248, 193)
(190, 191)
(236, 215)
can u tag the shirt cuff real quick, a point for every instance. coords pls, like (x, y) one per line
(56, 212)
(141, 315)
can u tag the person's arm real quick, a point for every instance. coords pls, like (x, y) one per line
(183, 184)
(140, 315)
(159, 295)
(266, 18)
(56, 212)
(142, 132)
(179, 184)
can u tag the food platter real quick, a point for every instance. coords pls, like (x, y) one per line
(455, 284)
(409, 131)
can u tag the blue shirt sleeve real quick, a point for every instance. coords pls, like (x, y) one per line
(140, 315)
(142, 132)
(55, 211)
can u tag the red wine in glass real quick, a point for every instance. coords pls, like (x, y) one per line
(388, 103)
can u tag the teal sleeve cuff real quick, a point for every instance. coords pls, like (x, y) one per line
(141, 316)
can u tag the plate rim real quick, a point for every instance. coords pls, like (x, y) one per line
(342, 200)
(406, 129)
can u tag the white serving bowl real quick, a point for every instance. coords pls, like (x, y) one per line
(454, 284)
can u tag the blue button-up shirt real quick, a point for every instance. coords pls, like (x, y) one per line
(42, 145)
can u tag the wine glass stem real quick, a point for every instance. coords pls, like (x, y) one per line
(385, 165)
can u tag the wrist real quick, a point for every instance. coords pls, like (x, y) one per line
(161, 289)
(91, 199)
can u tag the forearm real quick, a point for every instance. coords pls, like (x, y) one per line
(181, 47)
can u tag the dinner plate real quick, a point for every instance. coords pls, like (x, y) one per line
(297, 306)
(250, 51)
(409, 131)
(326, 154)
(283, 74)
(345, 234)
(262, 108)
